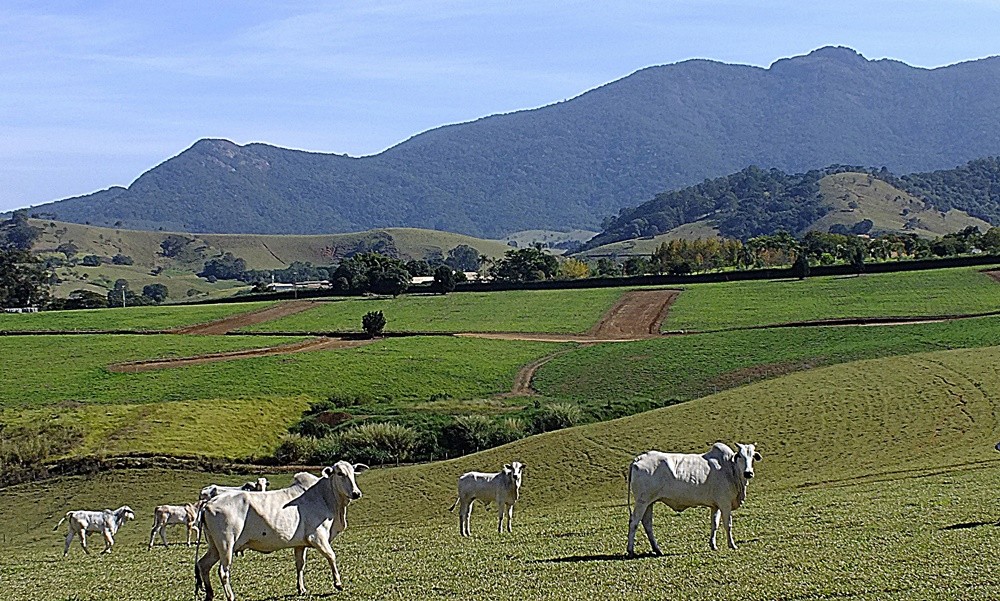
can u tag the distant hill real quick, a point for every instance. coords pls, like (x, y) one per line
(753, 201)
(259, 251)
(571, 164)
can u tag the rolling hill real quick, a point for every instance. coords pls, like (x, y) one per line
(259, 252)
(753, 202)
(570, 164)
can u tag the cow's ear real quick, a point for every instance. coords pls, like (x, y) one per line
(757, 457)
(327, 471)
(507, 467)
(360, 467)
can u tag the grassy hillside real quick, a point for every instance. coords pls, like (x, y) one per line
(855, 197)
(645, 246)
(259, 252)
(913, 294)
(877, 482)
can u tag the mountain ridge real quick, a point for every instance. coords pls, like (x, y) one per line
(574, 162)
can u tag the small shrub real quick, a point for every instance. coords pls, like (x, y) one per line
(556, 416)
(373, 323)
(296, 449)
(378, 443)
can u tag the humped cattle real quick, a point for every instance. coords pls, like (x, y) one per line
(107, 522)
(502, 488)
(307, 514)
(165, 515)
(717, 480)
(213, 490)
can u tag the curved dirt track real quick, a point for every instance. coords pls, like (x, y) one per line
(315, 344)
(235, 322)
(637, 315)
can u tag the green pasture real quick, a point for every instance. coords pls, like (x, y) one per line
(960, 290)
(208, 409)
(685, 367)
(160, 317)
(550, 311)
(878, 482)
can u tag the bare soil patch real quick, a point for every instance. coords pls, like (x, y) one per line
(235, 322)
(638, 314)
(315, 344)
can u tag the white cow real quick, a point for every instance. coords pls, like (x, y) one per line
(106, 522)
(164, 515)
(213, 490)
(306, 514)
(717, 480)
(502, 488)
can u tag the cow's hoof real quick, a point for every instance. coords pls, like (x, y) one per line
(338, 586)
(657, 552)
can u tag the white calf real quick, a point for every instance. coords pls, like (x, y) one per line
(164, 515)
(502, 488)
(106, 522)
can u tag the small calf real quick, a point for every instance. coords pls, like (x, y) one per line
(164, 515)
(502, 488)
(106, 522)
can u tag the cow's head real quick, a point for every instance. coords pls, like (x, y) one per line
(746, 454)
(513, 471)
(262, 484)
(341, 475)
(125, 512)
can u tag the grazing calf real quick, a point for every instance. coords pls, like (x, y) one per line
(106, 522)
(213, 490)
(502, 488)
(164, 515)
(307, 514)
(717, 480)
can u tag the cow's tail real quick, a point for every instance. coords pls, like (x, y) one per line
(60, 522)
(200, 520)
(628, 487)
(455, 504)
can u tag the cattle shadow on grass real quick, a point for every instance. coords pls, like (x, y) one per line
(604, 557)
(967, 525)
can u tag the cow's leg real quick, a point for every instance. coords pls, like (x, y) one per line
(714, 513)
(109, 541)
(152, 533)
(501, 511)
(464, 516)
(727, 515)
(83, 540)
(322, 545)
(225, 569)
(69, 539)
(202, 571)
(647, 525)
(510, 518)
(300, 569)
(637, 512)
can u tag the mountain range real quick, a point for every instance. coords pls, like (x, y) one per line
(577, 163)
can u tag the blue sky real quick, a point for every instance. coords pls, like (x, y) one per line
(95, 92)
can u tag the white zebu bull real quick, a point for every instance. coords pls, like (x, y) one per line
(717, 480)
(165, 515)
(213, 490)
(306, 514)
(106, 522)
(502, 488)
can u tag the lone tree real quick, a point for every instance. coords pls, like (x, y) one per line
(444, 280)
(373, 323)
(800, 268)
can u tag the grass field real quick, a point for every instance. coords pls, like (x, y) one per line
(201, 409)
(159, 317)
(878, 482)
(555, 311)
(686, 367)
(954, 291)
